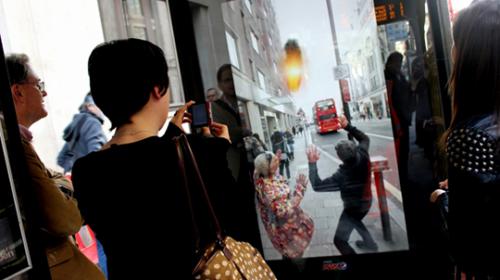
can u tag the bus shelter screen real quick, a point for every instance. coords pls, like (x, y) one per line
(309, 76)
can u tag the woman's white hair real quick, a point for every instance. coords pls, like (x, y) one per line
(262, 164)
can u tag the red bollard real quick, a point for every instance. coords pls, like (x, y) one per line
(378, 165)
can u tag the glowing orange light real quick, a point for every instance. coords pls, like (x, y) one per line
(293, 65)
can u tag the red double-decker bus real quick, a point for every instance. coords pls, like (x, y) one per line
(325, 116)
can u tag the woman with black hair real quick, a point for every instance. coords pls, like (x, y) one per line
(131, 192)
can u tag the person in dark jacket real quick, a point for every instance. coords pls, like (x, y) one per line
(260, 141)
(353, 180)
(131, 191)
(280, 147)
(83, 135)
(473, 141)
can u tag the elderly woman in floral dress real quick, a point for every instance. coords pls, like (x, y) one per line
(289, 228)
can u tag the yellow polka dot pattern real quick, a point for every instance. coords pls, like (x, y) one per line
(236, 261)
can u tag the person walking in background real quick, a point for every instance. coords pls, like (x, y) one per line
(288, 227)
(473, 141)
(353, 180)
(260, 141)
(138, 172)
(253, 147)
(84, 135)
(57, 210)
(289, 142)
(280, 147)
(276, 140)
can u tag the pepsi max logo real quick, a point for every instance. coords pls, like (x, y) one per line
(331, 266)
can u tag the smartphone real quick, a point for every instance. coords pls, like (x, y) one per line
(201, 114)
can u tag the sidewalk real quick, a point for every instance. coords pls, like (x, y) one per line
(325, 209)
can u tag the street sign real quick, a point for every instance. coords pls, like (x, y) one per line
(341, 71)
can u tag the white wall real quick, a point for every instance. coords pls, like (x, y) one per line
(58, 36)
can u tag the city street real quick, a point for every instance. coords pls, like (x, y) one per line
(325, 208)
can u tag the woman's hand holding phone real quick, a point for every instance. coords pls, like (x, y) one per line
(217, 130)
(182, 116)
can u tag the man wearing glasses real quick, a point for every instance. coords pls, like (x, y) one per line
(28, 92)
(57, 210)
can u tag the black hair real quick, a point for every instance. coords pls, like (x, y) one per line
(221, 70)
(17, 67)
(475, 78)
(394, 59)
(122, 76)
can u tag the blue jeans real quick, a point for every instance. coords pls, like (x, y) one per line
(102, 259)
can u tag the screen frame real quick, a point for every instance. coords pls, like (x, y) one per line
(397, 264)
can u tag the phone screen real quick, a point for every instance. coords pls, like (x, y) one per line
(199, 115)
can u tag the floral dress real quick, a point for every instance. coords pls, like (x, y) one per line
(288, 227)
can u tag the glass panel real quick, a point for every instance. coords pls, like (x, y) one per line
(299, 105)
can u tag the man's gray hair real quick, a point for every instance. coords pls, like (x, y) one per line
(346, 150)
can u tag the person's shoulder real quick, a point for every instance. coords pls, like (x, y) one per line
(363, 152)
(93, 159)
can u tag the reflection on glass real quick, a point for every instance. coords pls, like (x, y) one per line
(305, 130)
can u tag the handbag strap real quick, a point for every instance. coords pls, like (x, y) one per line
(181, 163)
(183, 148)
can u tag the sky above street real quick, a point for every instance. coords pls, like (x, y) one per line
(308, 23)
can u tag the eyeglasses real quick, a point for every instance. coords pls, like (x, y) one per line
(40, 85)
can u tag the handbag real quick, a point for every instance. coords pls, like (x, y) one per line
(224, 258)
